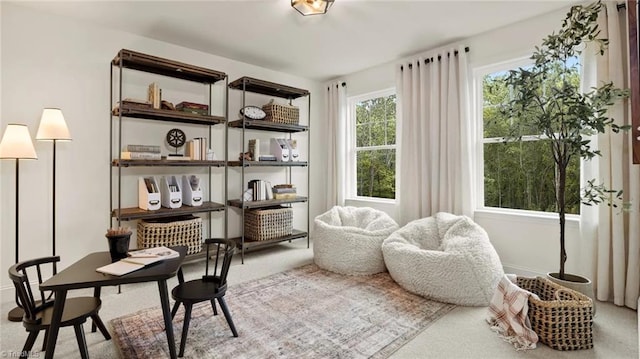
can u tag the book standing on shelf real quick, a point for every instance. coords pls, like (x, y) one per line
(154, 95)
(197, 148)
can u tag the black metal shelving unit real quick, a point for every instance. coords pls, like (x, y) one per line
(132, 60)
(253, 85)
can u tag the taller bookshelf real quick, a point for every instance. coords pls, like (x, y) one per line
(126, 68)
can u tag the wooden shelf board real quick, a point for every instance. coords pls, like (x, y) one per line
(248, 244)
(267, 164)
(268, 203)
(267, 126)
(165, 163)
(133, 213)
(167, 115)
(251, 84)
(161, 66)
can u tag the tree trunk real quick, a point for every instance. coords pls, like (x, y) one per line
(561, 180)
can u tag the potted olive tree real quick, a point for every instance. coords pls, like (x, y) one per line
(546, 99)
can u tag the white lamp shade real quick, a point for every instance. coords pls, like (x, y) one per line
(16, 143)
(311, 7)
(52, 126)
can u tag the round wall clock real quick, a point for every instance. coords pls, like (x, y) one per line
(253, 112)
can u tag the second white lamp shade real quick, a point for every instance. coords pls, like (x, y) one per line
(52, 126)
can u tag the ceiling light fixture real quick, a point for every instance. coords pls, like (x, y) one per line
(312, 7)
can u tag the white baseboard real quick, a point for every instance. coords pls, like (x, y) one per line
(522, 271)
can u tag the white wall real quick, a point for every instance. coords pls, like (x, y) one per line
(51, 61)
(526, 244)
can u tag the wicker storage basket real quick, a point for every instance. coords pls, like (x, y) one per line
(562, 317)
(263, 224)
(289, 115)
(173, 231)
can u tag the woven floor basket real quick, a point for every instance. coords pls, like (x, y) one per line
(289, 115)
(562, 317)
(174, 231)
(263, 224)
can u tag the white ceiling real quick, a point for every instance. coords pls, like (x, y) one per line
(352, 36)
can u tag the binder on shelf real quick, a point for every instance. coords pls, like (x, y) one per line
(148, 193)
(171, 194)
(292, 145)
(191, 191)
(280, 149)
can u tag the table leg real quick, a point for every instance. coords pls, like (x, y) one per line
(166, 313)
(58, 308)
(96, 294)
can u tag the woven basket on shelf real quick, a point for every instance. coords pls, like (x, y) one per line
(263, 224)
(562, 317)
(289, 115)
(174, 231)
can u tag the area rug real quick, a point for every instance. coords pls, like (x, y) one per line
(305, 312)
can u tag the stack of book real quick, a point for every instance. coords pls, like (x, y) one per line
(195, 108)
(141, 152)
(284, 191)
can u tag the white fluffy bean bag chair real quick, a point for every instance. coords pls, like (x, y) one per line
(447, 258)
(348, 240)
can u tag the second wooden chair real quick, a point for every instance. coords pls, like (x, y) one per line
(210, 287)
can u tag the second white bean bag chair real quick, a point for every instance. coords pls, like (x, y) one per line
(446, 257)
(348, 240)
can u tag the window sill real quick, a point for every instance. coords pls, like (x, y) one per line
(371, 200)
(514, 215)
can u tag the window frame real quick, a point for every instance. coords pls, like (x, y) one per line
(351, 192)
(478, 105)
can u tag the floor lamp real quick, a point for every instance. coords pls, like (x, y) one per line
(53, 128)
(16, 145)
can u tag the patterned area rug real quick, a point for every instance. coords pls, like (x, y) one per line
(305, 312)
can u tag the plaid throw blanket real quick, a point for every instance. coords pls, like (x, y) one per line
(508, 314)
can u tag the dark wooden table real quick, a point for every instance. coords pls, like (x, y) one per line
(82, 274)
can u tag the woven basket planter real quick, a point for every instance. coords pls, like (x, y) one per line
(175, 231)
(562, 317)
(263, 224)
(289, 115)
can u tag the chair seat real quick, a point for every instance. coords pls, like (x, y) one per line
(197, 291)
(76, 310)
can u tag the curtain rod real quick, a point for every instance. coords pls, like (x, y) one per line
(343, 85)
(426, 61)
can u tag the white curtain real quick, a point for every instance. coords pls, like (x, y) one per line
(612, 234)
(336, 143)
(436, 133)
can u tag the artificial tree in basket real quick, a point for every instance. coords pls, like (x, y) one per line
(545, 101)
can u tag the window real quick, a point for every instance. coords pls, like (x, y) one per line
(372, 164)
(518, 175)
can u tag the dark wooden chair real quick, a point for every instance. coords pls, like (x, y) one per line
(38, 311)
(208, 288)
